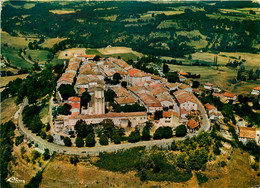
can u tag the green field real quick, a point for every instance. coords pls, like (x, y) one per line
(38, 55)
(14, 58)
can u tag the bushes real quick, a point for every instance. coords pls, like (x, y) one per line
(163, 132)
(201, 178)
(122, 161)
(35, 181)
(181, 130)
(46, 154)
(18, 140)
(74, 160)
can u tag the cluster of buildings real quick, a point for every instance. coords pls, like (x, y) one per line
(175, 100)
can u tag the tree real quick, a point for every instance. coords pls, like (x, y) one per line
(66, 91)
(109, 95)
(239, 74)
(79, 142)
(82, 129)
(43, 135)
(134, 136)
(85, 99)
(49, 138)
(172, 77)
(103, 140)
(124, 84)
(108, 127)
(158, 133)
(146, 132)
(67, 141)
(117, 77)
(48, 127)
(46, 154)
(166, 68)
(116, 138)
(64, 110)
(195, 84)
(250, 73)
(158, 115)
(96, 58)
(90, 140)
(181, 130)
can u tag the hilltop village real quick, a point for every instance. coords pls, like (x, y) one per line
(165, 104)
(149, 97)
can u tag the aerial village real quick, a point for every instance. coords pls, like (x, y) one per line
(166, 104)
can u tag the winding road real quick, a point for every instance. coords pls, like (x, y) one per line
(94, 151)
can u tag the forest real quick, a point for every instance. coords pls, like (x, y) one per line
(149, 28)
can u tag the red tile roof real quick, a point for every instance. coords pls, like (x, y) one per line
(136, 73)
(183, 73)
(196, 90)
(229, 95)
(183, 111)
(209, 106)
(208, 84)
(75, 105)
(125, 100)
(150, 100)
(257, 88)
(183, 96)
(74, 99)
(247, 132)
(109, 115)
(192, 124)
(170, 113)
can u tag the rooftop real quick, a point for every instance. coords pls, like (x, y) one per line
(192, 124)
(125, 100)
(209, 106)
(247, 132)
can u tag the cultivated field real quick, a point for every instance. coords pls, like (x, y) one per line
(69, 53)
(6, 79)
(123, 52)
(252, 60)
(17, 42)
(62, 11)
(220, 78)
(49, 42)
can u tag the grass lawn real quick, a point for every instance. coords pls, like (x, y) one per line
(40, 55)
(15, 59)
(6, 79)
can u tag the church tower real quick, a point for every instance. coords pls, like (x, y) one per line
(99, 100)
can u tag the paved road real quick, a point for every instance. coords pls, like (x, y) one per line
(42, 144)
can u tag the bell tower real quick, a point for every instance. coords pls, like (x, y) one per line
(99, 100)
